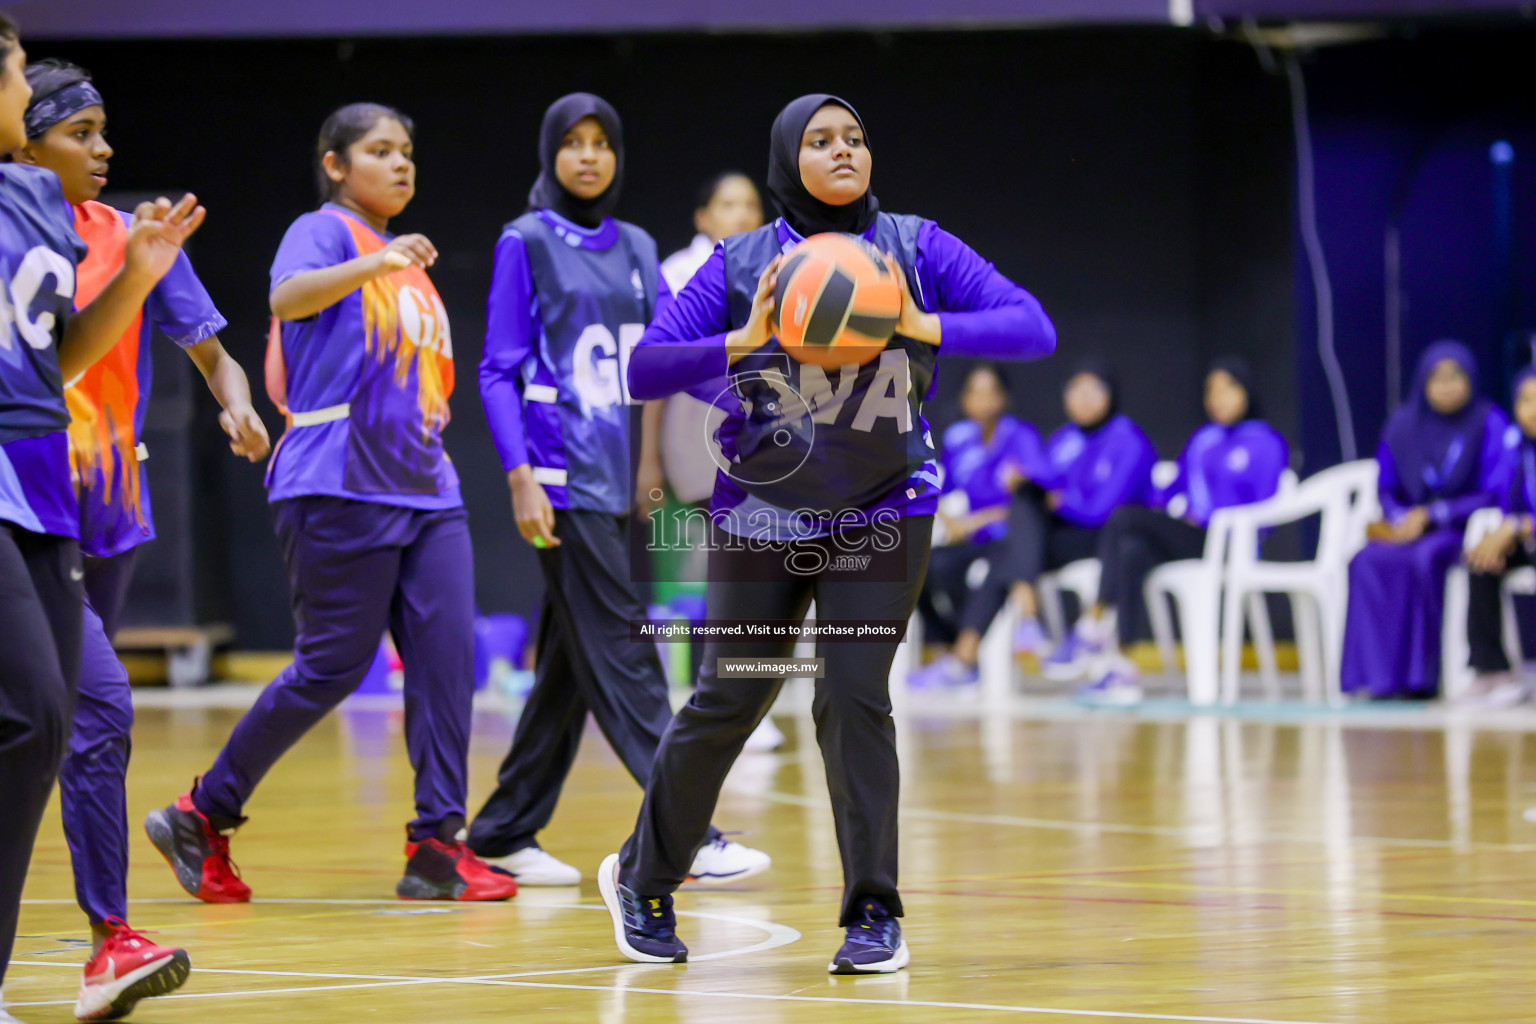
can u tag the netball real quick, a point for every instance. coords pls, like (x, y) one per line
(836, 302)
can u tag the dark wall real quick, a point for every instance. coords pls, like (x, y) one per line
(1404, 129)
(1137, 181)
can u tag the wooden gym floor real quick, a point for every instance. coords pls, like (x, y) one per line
(1058, 866)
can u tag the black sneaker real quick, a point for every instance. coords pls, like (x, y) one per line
(874, 944)
(644, 927)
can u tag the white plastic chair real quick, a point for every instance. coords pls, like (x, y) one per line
(1196, 584)
(1345, 498)
(1455, 671)
(1082, 576)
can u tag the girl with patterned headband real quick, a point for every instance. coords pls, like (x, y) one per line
(65, 123)
(46, 338)
(368, 511)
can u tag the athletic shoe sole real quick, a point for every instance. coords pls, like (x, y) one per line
(608, 886)
(117, 1000)
(734, 877)
(897, 961)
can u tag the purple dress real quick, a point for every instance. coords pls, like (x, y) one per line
(1452, 466)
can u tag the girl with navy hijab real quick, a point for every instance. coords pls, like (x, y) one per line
(867, 483)
(1507, 548)
(1236, 459)
(1442, 458)
(571, 290)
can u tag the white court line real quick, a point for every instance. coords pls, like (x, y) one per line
(778, 934)
(251, 992)
(494, 981)
(1174, 831)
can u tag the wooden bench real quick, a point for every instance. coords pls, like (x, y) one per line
(188, 650)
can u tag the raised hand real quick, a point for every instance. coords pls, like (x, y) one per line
(158, 232)
(407, 251)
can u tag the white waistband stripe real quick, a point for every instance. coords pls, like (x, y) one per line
(326, 415)
(541, 393)
(549, 475)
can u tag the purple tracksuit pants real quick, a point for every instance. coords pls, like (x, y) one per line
(92, 794)
(357, 568)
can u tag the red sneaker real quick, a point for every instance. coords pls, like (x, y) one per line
(127, 968)
(196, 852)
(435, 870)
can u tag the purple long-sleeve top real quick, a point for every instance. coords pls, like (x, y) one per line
(1222, 466)
(975, 465)
(1096, 471)
(981, 313)
(1451, 508)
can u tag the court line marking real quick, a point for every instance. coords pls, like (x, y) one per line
(495, 981)
(778, 934)
(1232, 836)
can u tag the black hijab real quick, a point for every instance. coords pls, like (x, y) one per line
(1238, 369)
(1100, 371)
(547, 192)
(804, 212)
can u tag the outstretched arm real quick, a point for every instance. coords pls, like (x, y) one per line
(155, 238)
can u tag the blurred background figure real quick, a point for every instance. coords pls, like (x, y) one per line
(1235, 459)
(1441, 458)
(979, 455)
(1509, 547)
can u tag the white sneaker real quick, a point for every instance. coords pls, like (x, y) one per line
(1507, 690)
(531, 866)
(722, 860)
(765, 737)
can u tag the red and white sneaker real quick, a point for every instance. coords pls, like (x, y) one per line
(435, 870)
(197, 852)
(127, 968)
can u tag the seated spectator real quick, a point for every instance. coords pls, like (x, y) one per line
(977, 456)
(1236, 459)
(1509, 547)
(1442, 458)
(1062, 496)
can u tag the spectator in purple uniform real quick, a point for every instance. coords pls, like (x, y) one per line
(1236, 459)
(571, 291)
(975, 455)
(1509, 547)
(1063, 494)
(1442, 457)
(368, 514)
(868, 481)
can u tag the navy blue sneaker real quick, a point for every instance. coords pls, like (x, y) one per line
(644, 927)
(874, 944)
